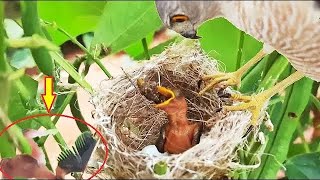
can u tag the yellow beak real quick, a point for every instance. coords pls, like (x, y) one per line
(167, 93)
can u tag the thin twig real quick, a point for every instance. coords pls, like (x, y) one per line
(75, 41)
(129, 78)
(48, 164)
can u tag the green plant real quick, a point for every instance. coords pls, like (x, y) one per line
(129, 26)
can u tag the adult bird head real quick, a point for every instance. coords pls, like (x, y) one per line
(185, 17)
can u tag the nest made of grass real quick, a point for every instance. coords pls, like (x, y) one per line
(132, 124)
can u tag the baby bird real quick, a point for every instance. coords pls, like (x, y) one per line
(179, 134)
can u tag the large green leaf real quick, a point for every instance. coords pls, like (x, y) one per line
(304, 166)
(137, 48)
(222, 41)
(126, 22)
(76, 17)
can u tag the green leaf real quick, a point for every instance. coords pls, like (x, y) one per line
(126, 22)
(285, 125)
(136, 48)
(220, 39)
(31, 26)
(71, 71)
(296, 149)
(274, 73)
(304, 166)
(7, 148)
(77, 17)
(156, 50)
(251, 81)
(18, 108)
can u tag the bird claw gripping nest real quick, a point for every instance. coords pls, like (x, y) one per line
(126, 114)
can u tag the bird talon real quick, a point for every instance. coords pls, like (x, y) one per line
(253, 104)
(229, 79)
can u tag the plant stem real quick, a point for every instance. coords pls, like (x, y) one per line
(65, 103)
(145, 48)
(75, 110)
(273, 74)
(48, 164)
(71, 71)
(15, 134)
(4, 66)
(74, 40)
(5, 70)
(240, 47)
(3, 63)
(34, 41)
(315, 101)
(31, 26)
(242, 174)
(74, 105)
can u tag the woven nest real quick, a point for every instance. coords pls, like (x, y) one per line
(131, 123)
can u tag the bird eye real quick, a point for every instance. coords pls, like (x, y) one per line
(179, 18)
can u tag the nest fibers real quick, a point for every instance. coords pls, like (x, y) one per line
(132, 124)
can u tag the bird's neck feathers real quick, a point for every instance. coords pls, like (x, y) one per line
(212, 10)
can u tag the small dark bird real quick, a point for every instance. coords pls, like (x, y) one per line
(29, 166)
(76, 160)
(179, 134)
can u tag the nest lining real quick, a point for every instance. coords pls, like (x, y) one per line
(132, 124)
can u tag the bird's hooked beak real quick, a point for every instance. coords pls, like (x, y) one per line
(192, 34)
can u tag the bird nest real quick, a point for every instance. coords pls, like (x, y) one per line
(131, 123)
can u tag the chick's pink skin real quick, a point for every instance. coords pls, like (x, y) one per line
(179, 131)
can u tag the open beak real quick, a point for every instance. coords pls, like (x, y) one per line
(190, 34)
(167, 93)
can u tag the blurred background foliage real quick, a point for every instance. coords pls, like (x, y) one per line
(101, 28)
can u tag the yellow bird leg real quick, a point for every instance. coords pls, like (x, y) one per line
(167, 93)
(233, 78)
(255, 103)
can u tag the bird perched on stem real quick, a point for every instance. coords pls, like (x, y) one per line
(290, 27)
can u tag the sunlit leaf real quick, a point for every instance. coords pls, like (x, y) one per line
(77, 17)
(137, 48)
(127, 22)
(220, 39)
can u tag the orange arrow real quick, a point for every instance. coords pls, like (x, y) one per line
(48, 97)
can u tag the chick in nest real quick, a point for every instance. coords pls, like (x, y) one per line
(179, 134)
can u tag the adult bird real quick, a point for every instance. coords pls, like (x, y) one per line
(290, 27)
